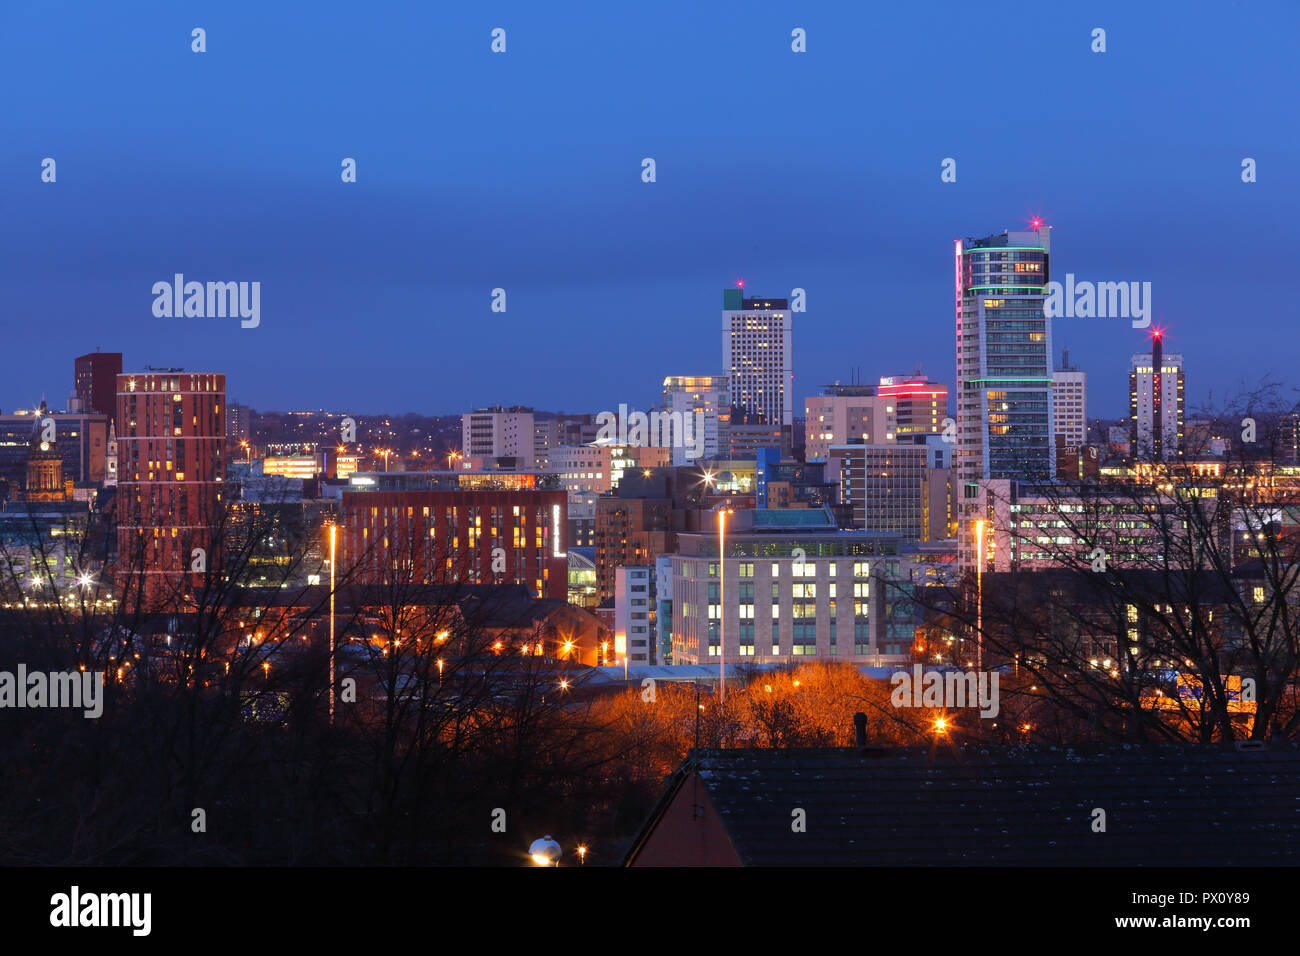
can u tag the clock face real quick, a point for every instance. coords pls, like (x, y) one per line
(45, 446)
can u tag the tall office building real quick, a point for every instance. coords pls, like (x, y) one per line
(546, 435)
(1070, 402)
(1155, 401)
(756, 357)
(95, 382)
(1004, 373)
(498, 432)
(709, 394)
(920, 405)
(847, 413)
(171, 445)
(902, 488)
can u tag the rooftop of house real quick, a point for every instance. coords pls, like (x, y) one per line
(1163, 805)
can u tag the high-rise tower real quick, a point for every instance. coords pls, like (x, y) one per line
(1070, 402)
(171, 443)
(756, 359)
(1155, 399)
(1004, 373)
(707, 394)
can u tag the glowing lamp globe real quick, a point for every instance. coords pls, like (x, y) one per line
(545, 852)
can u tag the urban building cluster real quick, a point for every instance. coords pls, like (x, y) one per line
(739, 520)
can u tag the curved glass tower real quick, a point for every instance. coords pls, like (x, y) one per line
(1004, 370)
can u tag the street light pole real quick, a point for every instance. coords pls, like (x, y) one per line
(979, 594)
(722, 605)
(333, 533)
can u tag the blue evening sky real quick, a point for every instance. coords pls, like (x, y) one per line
(477, 170)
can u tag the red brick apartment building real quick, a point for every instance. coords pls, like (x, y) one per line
(170, 444)
(444, 537)
(95, 381)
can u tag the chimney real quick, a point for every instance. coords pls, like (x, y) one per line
(860, 728)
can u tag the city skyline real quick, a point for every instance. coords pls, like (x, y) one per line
(383, 483)
(59, 400)
(864, 377)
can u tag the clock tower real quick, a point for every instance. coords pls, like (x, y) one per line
(45, 480)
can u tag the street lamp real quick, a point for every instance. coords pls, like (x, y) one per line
(333, 536)
(979, 594)
(582, 854)
(722, 602)
(545, 852)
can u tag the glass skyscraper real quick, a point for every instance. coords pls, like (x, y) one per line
(1004, 373)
